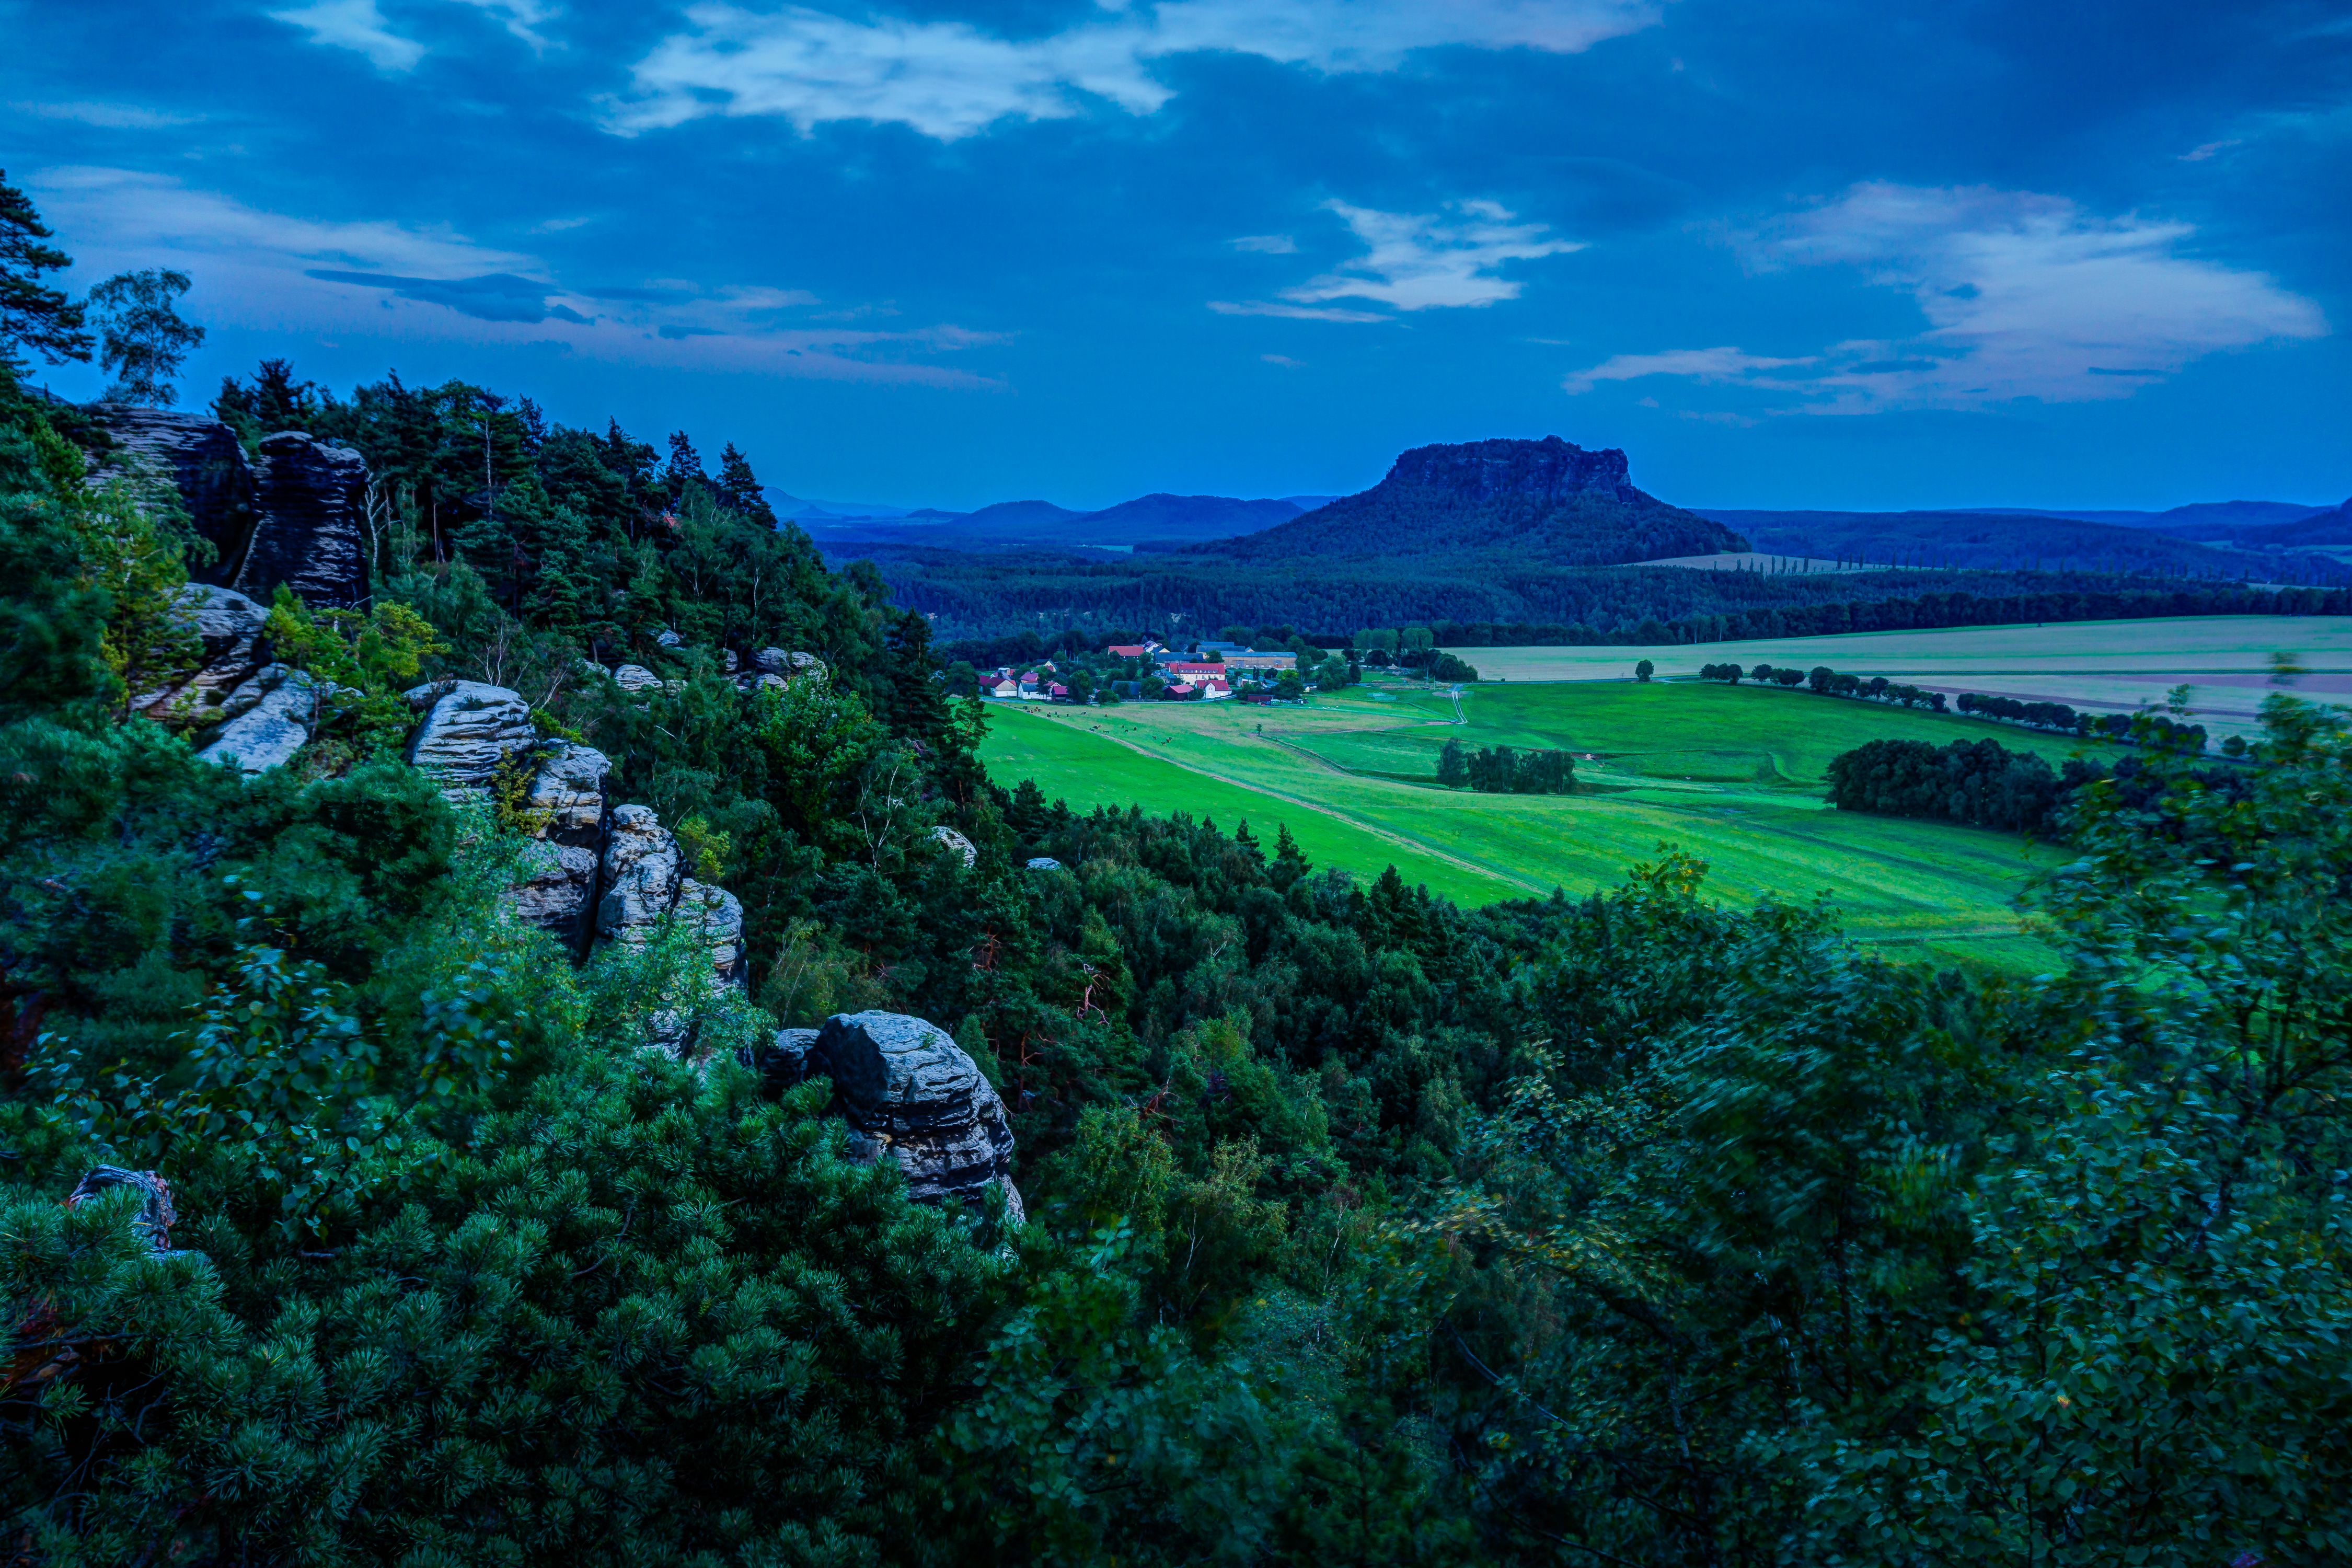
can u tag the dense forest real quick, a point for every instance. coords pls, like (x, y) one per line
(1516, 603)
(1362, 1228)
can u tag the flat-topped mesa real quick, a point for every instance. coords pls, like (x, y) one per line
(1548, 469)
(908, 1091)
(1522, 505)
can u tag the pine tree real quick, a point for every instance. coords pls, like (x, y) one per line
(685, 466)
(32, 314)
(740, 490)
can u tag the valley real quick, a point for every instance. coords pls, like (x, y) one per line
(1732, 774)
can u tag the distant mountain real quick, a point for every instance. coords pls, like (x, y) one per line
(1535, 504)
(1164, 516)
(2332, 527)
(2006, 540)
(786, 505)
(1011, 517)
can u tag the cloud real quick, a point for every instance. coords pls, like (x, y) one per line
(1425, 261)
(1702, 365)
(2023, 296)
(949, 79)
(1296, 313)
(1285, 361)
(1267, 244)
(111, 116)
(275, 272)
(354, 24)
(523, 19)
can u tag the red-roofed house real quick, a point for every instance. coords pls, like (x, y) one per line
(1189, 667)
(1129, 650)
(1181, 691)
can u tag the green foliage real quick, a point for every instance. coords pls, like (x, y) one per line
(142, 342)
(33, 315)
(1644, 671)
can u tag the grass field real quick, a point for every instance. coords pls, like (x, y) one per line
(1731, 775)
(2106, 666)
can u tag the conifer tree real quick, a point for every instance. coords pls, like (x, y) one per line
(740, 490)
(32, 314)
(685, 466)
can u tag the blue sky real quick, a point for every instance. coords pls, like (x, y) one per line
(1848, 253)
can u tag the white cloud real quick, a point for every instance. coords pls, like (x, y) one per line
(1285, 361)
(523, 19)
(949, 79)
(1295, 313)
(1266, 243)
(354, 24)
(275, 272)
(2023, 296)
(111, 116)
(1703, 365)
(1420, 261)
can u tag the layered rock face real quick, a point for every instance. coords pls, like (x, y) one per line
(229, 625)
(296, 517)
(199, 457)
(568, 792)
(469, 730)
(312, 530)
(908, 1091)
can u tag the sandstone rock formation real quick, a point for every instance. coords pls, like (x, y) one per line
(469, 730)
(908, 1090)
(560, 893)
(298, 516)
(271, 716)
(957, 845)
(157, 1213)
(636, 678)
(789, 665)
(229, 625)
(1044, 863)
(570, 788)
(311, 533)
(199, 457)
(640, 876)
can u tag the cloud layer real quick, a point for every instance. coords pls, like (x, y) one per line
(2023, 296)
(949, 79)
(269, 270)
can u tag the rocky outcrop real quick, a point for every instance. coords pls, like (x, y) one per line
(1044, 863)
(908, 1091)
(956, 844)
(559, 893)
(469, 729)
(636, 678)
(569, 789)
(270, 718)
(296, 516)
(156, 1213)
(789, 665)
(228, 625)
(199, 457)
(640, 876)
(311, 533)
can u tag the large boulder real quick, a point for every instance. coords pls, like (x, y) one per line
(636, 678)
(311, 533)
(469, 729)
(272, 716)
(908, 1090)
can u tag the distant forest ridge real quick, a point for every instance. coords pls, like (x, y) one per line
(1546, 534)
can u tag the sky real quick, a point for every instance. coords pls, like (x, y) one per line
(1806, 253)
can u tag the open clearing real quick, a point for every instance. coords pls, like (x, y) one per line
(1733, 774)
(2107, 666)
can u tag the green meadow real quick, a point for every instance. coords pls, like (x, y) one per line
(1732, 774)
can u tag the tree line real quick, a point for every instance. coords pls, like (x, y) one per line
(1500, 770)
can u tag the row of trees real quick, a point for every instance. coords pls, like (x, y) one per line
(1500, 770)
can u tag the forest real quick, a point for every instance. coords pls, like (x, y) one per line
(1362, 1227)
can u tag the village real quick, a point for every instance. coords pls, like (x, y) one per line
(1208, 671)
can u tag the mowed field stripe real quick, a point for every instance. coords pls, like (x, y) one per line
(1366, 825)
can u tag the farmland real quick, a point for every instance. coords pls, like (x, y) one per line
(1733, 774)
(2102, 665)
